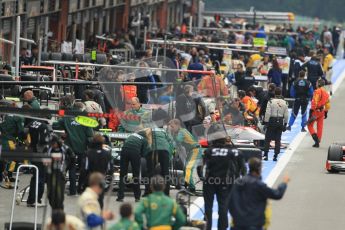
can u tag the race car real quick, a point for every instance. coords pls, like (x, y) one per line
(335, 162)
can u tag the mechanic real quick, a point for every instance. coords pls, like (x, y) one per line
(12, 130)
(296, 67)
(276, 119)
(268, 95)
(194, 152)
(302, 91)
(134, 118)
(126, 221)
(93, 107)
(162, 150)
(320, 105)
(89, 207)
(77, 138)
(327, 68)
(248, 198)
(223, 164)
(31, 99)
(99, 159)
(39, 132)
(62, 159)
(314, 70)
(159, 209)
(135, 147)
(252, 109)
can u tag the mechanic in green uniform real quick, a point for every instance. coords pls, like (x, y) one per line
(194, 152)
(31, 99)
(162, 152)
(161, 212)
(11, 129)
(125, 223)
(77, 139)
(134, 118)
(135, 147)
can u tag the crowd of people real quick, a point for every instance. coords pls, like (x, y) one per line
(209, 92)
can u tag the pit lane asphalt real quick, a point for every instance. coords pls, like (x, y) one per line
(314, 198)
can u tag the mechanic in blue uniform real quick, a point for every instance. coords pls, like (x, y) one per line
(224, 164)
(314, 70)
(302, 91)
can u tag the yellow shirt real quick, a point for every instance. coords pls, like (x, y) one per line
(327, 62)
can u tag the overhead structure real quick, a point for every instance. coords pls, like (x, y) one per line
(198, 43)
(258, 15)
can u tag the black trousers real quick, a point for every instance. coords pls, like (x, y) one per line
(222, 193)
(72, 173)
(41, 181)
(56, 189)
(134, 158)
(274, 134)
(285, 85)
(152, 159)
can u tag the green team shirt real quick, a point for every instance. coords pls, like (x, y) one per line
(158, 210)
(131, 125)
(137, 142)
(10, 129)
(185, 138)
(125, 224)
(77, 135)
(161, 140)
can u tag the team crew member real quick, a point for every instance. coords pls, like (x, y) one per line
(62, 157)
(248, 198)
(93, 107)
(125, 223)
(98, 159)
(77, 139)
(129, 91)
(162, 153)
(133, 118)
(11, 128)
(249, 103)
(135, 147)
(159, 209)
(91, 212)
(269, 94)
(39, 135)
(327, 68)
(194, 153)
(223, 164)
(314, 70)
(319, 109)
(302, 91)
(276, 118)
(31, 99)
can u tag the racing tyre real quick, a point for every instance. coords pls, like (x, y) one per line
(335, 153)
